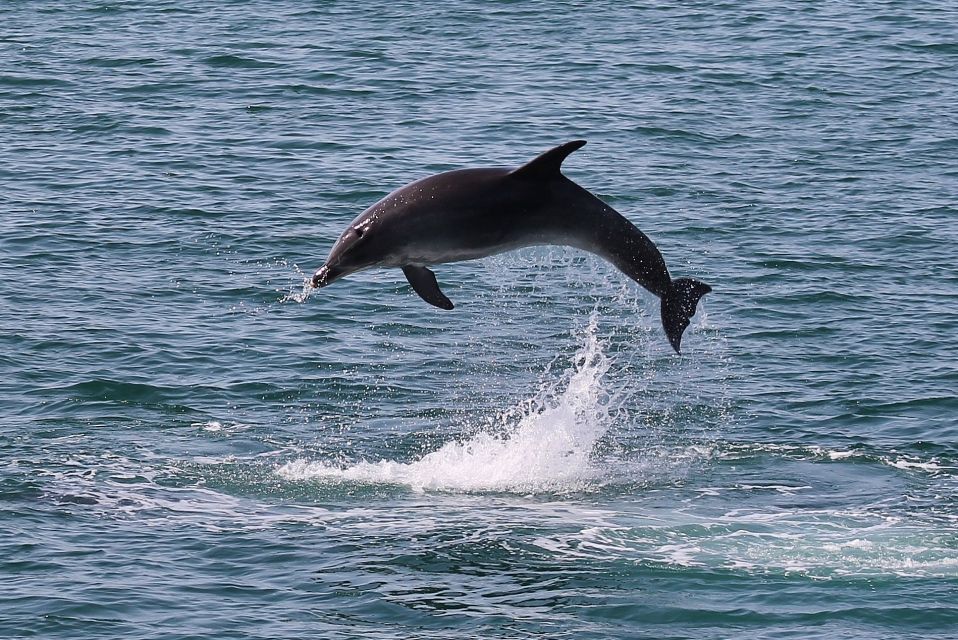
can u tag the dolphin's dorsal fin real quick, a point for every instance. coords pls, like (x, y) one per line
(549, 163)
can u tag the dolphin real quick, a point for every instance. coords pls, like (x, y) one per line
(474, 213)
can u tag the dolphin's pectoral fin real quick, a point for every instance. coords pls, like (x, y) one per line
(549, 163)
(424, 283)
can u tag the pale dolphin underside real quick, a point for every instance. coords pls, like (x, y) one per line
(474, 213)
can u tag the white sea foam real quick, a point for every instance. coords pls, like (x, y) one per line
(819, 544)
(216, 426)
(543, 445)
(932, 466)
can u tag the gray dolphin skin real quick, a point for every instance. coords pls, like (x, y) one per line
(474, 213)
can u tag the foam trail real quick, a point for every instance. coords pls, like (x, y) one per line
(542, 445)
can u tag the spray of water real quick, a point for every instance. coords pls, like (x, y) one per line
(544, 444)
(302, 295)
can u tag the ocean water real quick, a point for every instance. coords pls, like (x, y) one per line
(192, 447)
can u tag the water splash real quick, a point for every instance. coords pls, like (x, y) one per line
(302, 295)
(544, 444)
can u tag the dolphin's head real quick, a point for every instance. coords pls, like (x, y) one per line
(351, 253)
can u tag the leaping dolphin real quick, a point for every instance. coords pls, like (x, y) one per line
(474, 213)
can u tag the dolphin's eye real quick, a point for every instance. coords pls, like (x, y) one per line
(360, 231)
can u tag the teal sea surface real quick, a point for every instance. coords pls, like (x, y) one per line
(193, 445)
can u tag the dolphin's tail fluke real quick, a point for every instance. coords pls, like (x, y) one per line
(678, 307)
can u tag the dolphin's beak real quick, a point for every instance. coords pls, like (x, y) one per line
(326, 275)
(320, 278)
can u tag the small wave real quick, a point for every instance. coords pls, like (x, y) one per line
(7, 80)
(114, 62)
(238, 62)
(105, 389)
